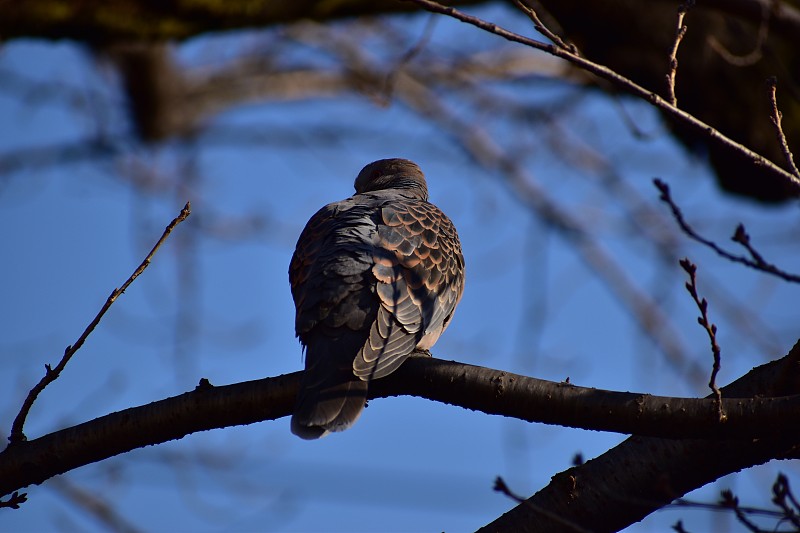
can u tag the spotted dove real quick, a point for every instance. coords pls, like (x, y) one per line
(374, 278)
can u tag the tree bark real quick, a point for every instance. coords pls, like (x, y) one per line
(641, 475)
(493, 392)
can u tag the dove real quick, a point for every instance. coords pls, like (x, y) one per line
(375, 278)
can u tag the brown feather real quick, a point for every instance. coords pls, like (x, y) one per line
(374, 278)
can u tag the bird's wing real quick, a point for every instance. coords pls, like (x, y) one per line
(329, 271)
(333, 289)
(419, 271)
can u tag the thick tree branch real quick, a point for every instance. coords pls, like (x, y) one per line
(632, 480)
(207, 407)
(642, 474)
(471, 387)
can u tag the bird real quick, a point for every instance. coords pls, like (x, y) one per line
(375, 278)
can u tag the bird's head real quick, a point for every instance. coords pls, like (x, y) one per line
(392, 174)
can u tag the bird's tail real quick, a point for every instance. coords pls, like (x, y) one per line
(331, 398)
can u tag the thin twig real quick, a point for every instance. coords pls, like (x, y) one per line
(501, 487)
(544, 30)
(789, 493)
(740, 236)
(678, 527)
(51, 374)
(781, 492)
(710, 328)
(729, 501)
(682, 503)
(776, 117)
(673, 55)
(618, 80)
(14, 500)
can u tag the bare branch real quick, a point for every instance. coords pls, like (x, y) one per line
(476, 388)
(619, 81)
(711, 330)
(14, 500)
(679, 527)
(51, 374)
(740, 236)
(501, 487)
(729, 501)
(544, 30)
(776, 119)
(673, 54)
(642, 474)
(782, 497)
(756, 511)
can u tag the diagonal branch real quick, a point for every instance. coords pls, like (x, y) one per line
(756, 262)
(543, 29)
(51, 374)
(644, 474)
(620, 81)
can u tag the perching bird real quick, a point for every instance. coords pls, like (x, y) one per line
(374, 278)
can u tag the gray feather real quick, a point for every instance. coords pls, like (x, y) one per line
(373, 278)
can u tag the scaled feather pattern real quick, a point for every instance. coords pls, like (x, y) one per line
(375, 278)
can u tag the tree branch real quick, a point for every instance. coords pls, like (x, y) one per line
(621, 82)
(740, 236)
(471, 387)
(711, 329)
(642, 474)
(51, 374)
(673, 54)
(776, 117)
(207, 407)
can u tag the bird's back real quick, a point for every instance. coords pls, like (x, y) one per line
(373, 277)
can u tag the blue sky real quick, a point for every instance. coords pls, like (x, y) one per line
(215, 303)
